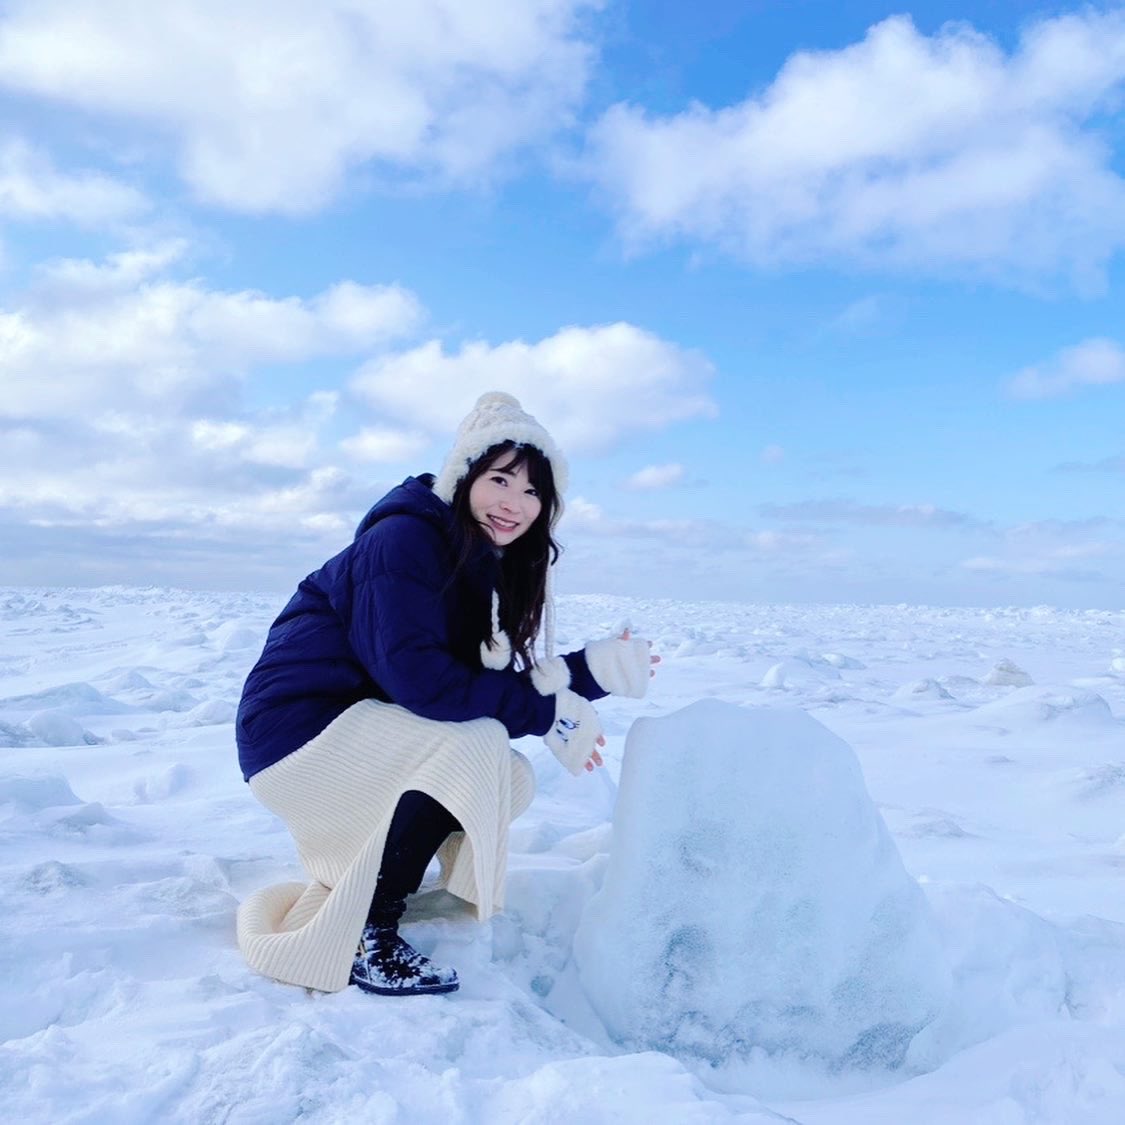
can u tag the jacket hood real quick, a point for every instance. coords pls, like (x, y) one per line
(414, 497)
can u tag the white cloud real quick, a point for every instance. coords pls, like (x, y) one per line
(1058, 566)
(581, 512)
(290, 445)
(938, 153)
(656, 476)
(872, 515)
(95, 335)
(73, 279)
(178, 477)
(868, 315)
(772, 455)
(1081, 550)
(583, 517)
(782, 542)
(1093, 363)
(273, 102)
(213, 436)
(31, 188)
(1103, 465)
(381, 443)
(589, 385)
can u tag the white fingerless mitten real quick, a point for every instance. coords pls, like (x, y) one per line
(574, 735)
(620, 665)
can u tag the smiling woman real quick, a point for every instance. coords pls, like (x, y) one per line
(376, 722)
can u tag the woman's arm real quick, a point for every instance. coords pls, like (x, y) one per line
(581, 678)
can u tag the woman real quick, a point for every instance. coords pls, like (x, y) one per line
(376, 722)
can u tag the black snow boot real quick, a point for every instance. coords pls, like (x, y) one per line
(388, 966)
(384, 963)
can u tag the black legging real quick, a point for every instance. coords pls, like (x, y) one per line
(418, 828)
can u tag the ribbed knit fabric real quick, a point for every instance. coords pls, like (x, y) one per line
(337, 794)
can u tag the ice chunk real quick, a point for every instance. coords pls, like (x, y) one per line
(127, 679)
(755, 900)
(235, 636)
(1006, 673)
(30, 794)
(177, 701)
(1029, 706)
(171, 781)
(208, 713)
(921, 689)
(56, 728)
(799, 671)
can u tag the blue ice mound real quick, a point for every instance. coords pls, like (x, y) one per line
(755, 901)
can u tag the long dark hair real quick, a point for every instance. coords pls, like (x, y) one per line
(523, 563)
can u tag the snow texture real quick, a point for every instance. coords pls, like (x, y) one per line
(124, 855)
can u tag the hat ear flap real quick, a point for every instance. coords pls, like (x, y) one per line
(496, 652)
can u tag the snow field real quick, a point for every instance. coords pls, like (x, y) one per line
(127, 838)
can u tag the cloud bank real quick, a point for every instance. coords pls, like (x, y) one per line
(33, 189)
(270, 103)
(935, 153)
(136, 399)
(594, 384)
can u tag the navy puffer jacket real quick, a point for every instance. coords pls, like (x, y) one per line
(386, 619)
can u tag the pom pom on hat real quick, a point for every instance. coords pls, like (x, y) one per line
(497, 417)
(497, 398)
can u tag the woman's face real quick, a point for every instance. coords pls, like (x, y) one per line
(503, 501)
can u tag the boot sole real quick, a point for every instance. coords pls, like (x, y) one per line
(413, 990)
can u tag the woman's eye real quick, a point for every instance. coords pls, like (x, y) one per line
(532, 492)
(499, 480)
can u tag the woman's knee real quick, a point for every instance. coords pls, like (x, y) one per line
(490, 735)
(523, 783)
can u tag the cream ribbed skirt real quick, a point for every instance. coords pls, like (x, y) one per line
(337, 794)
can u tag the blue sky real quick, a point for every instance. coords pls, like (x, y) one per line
(825, 302)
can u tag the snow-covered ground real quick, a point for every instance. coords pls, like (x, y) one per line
(992, 743)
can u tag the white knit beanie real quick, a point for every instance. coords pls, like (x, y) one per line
(497, 418)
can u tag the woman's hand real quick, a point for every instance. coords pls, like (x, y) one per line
(595, 758)
(576, 734)
(622, 665)
(626, 635)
